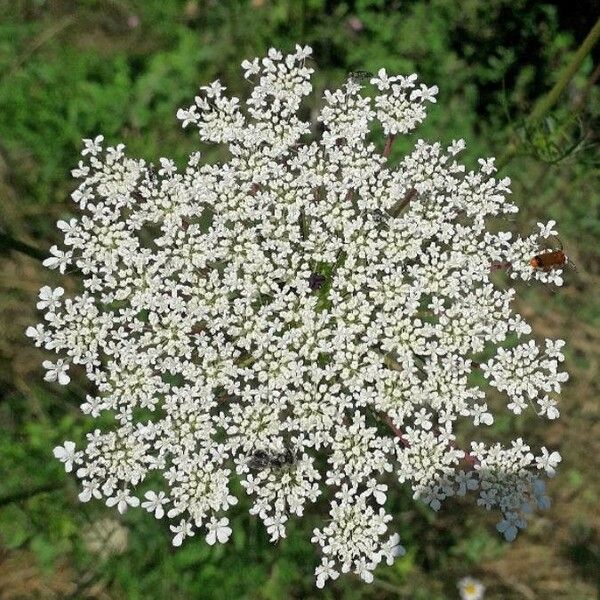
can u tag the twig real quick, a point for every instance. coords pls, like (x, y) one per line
(399, 433)
(551, 98)
(546, 103)
(303, 224)
(580, 103)
(469, 458)
(384, 585)
(398, 207)
(497, 266)
(26, 494)
(8, 243)
(388, 145)
(38, 42)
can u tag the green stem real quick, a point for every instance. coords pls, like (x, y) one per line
(546, 103)
(8, 243)
(384, 585)
(26, 494)
(551, 98)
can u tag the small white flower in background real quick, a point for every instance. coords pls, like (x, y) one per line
(382, 81)
(302, 319)
(214, 89)
(471, 589)
(326, 571)
(465, 481)
(553, 349)
(90, 489)
(508, 527)
(106, 537)
(37, 333)
(425, 93)
(392, 549)
(276, 526)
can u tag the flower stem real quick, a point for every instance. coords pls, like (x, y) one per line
(26, 494)
(551, 98)
(8, 243)
(498, 266)
(398, 207)
(399, 433)
(384, 585)
(388, 145)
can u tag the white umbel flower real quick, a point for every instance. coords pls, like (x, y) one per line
(302, 317)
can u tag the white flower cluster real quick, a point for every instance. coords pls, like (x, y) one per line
(304, 319)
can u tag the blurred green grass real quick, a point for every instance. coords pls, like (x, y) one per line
(122, 68)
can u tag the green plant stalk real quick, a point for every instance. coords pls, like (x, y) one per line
(8, 243)
(26, 494)
(551, 98)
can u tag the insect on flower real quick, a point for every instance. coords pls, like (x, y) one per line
(360, 75)
(379, 216)
(152, 173)
(316, 281)
(550, 260)
(263, 459)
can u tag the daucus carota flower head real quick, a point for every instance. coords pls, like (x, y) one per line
(304, 318)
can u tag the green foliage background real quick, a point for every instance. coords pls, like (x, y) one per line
(70, 70)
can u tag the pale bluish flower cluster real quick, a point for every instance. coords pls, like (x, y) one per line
(304, 318)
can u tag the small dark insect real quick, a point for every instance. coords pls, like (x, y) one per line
(549, 260)
(263, 459)
(378, 215)
(152, 173)
(316, 281)
(360, 75)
